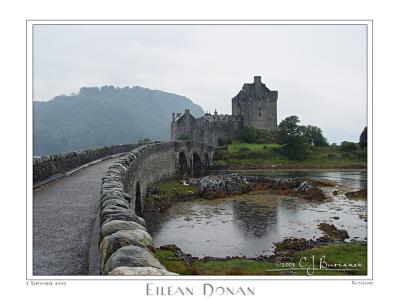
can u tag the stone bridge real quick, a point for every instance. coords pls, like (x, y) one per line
(69, 218)
(192, 158)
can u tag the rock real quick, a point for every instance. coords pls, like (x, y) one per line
(335, 192)
(313, 193)
(122, 217)
(360, 194)
(140, 271)
(116, 225)
(291, 245)
(115, 202)
(332, 233)
(112, 193)
(113, 242)
(219, 186)
(132, 256)
(141, 235)
(111, 211)
(304, 186)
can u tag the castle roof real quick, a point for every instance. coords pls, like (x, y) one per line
(257, 88)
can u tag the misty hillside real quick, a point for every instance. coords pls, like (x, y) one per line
(105, 116)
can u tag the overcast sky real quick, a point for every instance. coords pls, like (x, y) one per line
(320, 71)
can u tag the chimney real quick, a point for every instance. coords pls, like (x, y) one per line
(173, 117)
(257, 80)
(187, 111)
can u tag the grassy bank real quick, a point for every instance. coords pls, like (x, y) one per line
(242, 155)
(353, 253)
(164, 194)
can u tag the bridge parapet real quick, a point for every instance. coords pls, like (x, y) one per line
(47, 166)
(125, 245)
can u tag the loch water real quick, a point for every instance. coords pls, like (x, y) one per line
(250, 224)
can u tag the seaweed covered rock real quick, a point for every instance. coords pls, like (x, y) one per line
(331, 233)
(360, 194)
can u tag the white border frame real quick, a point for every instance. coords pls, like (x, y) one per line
(29, 140)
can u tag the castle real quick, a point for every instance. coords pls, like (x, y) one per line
(255, 105)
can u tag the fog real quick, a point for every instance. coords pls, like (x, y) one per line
(320, 71)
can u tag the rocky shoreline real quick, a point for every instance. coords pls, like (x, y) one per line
(221, 186)
(226, 185)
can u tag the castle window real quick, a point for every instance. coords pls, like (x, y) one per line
(259, 112)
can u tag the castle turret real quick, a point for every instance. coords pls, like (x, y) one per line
(256, 105)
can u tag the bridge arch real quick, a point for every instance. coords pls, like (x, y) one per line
(182, 164)
(206, 160)
(197, 165)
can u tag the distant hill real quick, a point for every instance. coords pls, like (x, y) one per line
(105, 116)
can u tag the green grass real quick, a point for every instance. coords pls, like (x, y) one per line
(267, 155)
(235, 147)
(170, 190)
(175, 187)
(353, 252)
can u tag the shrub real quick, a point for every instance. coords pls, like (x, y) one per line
(221, 155)
(296, 150)
(348, 146)
(224, 142)
(248, 135)
(333, 156)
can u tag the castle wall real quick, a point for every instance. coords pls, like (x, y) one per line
(212, 128)
(183, 125)
(255, 105)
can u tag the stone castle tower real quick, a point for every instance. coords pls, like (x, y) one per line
(255, 105)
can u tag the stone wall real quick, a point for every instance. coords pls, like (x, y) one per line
(50, 165)
(125, 246)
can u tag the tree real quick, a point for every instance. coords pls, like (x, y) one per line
(292, 136)
(314, 136)
(364, 138)
(289, 129)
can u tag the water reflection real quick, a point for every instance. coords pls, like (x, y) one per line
(255, 219)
